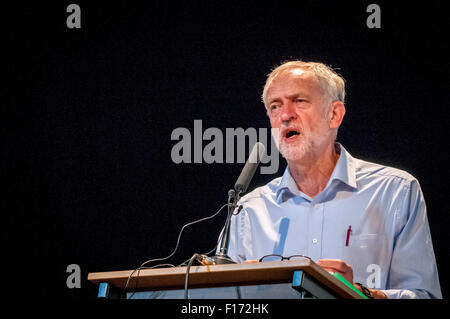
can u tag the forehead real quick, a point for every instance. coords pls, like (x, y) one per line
(296, 81)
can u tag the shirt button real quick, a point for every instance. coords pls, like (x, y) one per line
(314, 241)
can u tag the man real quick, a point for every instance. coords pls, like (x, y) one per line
(366, 221)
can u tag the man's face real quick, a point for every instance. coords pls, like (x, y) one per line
(296, 108)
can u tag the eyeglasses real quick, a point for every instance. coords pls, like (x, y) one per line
(275, 257)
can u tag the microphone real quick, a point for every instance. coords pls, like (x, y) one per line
(233, 196)
(250, 168)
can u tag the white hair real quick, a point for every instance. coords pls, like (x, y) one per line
(331, 83)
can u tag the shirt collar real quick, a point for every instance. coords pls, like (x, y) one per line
(344, 171)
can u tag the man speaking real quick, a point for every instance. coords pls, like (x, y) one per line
(366, 221)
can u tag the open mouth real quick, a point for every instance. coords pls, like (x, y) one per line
(291, 133)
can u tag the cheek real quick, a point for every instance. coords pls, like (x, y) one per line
(316, 123)
(274, 122)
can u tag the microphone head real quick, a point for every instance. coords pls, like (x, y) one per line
(257, 153)
(250, 168)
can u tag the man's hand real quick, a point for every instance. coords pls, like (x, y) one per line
(341, 267)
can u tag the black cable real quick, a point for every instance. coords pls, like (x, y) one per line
(186, 279)
(156, 266)
(179, 236)
(173, 252)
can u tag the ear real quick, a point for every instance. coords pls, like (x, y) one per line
(336, 114)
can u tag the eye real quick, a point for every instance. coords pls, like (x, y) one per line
(300, 100)
(273, 107)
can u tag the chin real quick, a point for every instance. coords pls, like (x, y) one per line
(295, 152)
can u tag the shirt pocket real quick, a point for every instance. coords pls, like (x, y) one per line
(362, 251)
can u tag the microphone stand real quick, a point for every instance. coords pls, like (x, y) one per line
(233, 197)
(222, 257)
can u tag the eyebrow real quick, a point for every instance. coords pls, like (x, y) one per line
(290, 97)
(273, 100)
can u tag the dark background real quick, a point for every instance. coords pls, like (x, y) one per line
(89, 113)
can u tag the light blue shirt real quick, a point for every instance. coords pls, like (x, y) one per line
(389, 246)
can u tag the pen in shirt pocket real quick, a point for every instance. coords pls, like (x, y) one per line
(347, 239)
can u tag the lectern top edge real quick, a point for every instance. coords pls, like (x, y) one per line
(221, 275)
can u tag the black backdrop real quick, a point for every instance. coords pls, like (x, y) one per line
(86, 147)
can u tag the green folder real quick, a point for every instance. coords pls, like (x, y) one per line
(348, 284)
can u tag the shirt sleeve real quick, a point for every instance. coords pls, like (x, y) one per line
(413, 270)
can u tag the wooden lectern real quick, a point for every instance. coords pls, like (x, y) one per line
(301, 278)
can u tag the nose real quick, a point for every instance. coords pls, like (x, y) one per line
(288, 112)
